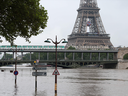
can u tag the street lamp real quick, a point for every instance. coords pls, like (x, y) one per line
(15, 72)
(1, 40)
(55, 42)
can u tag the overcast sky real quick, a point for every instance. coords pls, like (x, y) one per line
(62, 15)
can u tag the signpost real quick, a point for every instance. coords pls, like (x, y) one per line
(38, 66)
(39, 74)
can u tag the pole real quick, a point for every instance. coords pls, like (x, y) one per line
(35, 79)
(16, 66)
(55, 58)
(56, 67)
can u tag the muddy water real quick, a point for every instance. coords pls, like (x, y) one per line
(70, 82)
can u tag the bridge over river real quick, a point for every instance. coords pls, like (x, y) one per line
(66, 58)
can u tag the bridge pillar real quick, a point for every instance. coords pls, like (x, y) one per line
(73, 56)
(82, 56)
(30, 56)
(107, 56)
(65, 56)
(90, 56)
(39, 56)
(4, 55)
(13, 55)
(47, 56)
(21, 55)
(115, 56)
(99, 56)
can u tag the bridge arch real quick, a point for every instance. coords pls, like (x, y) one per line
(122, 52)
(125, 57)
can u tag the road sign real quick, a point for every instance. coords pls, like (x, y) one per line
(39, 68)
(34, 61)
(37, 61)
(39, 73)
(55, 72)
(15, 72)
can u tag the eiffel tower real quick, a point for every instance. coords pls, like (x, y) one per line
(88, 31)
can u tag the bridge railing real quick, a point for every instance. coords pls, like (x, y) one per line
(30, 47)
(13, 60)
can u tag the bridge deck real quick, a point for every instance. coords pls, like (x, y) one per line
(61, 63)
(59, 50)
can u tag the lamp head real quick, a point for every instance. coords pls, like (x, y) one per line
(47, 41)
(1, 41)
(65, 41)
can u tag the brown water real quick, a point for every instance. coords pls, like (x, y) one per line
(71, 82)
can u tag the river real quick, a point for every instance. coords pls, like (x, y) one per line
(70, 82)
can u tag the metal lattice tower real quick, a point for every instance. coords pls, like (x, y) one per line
(88, 11)
(88, 25)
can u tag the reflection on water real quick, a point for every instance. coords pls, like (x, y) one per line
(15, 90)
(71, 82)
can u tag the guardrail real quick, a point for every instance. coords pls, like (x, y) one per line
(30, 47)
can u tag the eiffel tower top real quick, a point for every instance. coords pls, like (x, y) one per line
(88, 3)
(88, 29)
(88, 18)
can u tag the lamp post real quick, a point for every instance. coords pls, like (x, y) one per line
(56, 43)
(1, 40)
(15, 72)
(16, 64)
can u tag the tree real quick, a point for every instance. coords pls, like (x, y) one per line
(71, 48)
(86, 56)
(125, 57)
(24, 18)
(7, 57)
(70, 55)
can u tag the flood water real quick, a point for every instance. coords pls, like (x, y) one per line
(70, 82)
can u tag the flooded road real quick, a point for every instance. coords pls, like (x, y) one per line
(70, 82)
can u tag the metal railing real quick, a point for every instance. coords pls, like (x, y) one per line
(30, 47)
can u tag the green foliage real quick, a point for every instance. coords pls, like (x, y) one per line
(125, 57)
(43, 56)
(107, 49)
(95, 56)
(71, 48)
(78, 56)
(51, 56)
(26, 56)
(24, 18)
(110, 56)
(89, 49)
(103, 56)
(69, 56)
(86, 56)
(60, 56)
(7, 57)
(34, 56)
